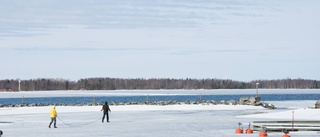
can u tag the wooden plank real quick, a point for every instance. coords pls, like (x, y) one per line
(279, 126)
(296, 125)
(299, 121)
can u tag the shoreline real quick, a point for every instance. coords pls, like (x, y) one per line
(81, 93)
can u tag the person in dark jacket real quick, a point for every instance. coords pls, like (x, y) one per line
(105, 109)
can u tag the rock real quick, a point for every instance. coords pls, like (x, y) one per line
(223, 102)
(249, 100)
(270, 106)
(244, 99)
(317, 105)
(253, 100)
(266, 105)
(231, 102)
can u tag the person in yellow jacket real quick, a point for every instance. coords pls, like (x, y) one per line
(53, 115)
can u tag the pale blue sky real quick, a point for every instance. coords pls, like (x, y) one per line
(226, 39)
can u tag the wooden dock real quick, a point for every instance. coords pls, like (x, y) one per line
(279, 126)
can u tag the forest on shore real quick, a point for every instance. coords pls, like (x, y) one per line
(42, 84)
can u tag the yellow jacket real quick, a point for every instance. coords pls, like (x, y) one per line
(53, 112)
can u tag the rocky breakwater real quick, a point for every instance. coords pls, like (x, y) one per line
(254, 101)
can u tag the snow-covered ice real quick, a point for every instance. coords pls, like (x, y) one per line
(151, 120)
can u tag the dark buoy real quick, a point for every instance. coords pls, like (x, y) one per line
(285, 131)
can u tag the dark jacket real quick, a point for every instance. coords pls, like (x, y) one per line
(105, 108)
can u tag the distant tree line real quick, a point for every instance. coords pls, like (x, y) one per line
(163, 83)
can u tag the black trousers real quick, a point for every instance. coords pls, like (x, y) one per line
(105, 114)
(54, 121)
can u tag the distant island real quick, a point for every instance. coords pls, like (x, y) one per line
(42, 84)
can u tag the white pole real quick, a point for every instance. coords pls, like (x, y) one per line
(257, 89)
(292, 120)
(19, 85)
